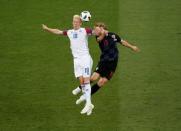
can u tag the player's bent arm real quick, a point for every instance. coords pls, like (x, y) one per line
(53, 31)
(126, 44)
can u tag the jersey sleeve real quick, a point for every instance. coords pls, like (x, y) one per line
(88, 31)
(118, 38)
(65, 32)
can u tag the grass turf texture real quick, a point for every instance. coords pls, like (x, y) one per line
(36, 69)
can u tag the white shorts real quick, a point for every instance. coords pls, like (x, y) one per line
(83, 66)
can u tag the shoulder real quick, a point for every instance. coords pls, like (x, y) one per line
(82, 30)
(87, 30)
(113, 35)
(69, 31)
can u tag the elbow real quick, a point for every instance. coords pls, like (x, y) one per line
(124, 43)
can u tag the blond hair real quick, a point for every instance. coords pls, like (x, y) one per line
(77, 17)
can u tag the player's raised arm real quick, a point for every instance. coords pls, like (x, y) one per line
(54, 31)
(133, 47)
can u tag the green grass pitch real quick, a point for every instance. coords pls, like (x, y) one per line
(36, 68)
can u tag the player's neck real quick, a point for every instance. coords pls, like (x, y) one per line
(76, 28)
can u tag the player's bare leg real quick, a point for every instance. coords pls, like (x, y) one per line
(99, 84)
(102, 81)
(95, 76)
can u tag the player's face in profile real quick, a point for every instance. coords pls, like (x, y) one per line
(97, 30)
(76, 23)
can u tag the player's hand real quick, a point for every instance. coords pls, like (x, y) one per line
(135, 48)
(44, 27)
(103, 32)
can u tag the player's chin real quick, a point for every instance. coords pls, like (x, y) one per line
(76, 27)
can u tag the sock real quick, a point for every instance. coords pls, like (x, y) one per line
(95, 88)
(88, 93)
(81, 86)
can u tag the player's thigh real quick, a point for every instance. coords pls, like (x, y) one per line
(95, 76)
(102, 81)
(109, 69)
(87, 67)
(77, 68)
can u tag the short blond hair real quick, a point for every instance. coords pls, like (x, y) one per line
(77, 17)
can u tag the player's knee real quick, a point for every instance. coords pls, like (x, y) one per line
(94, 77)
(86, 80)
(102, 82)
(81, 80)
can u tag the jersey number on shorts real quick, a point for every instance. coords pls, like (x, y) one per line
(87, 71)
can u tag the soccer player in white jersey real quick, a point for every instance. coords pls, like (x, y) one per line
(82, 60)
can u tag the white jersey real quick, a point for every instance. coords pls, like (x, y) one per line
(78, 41)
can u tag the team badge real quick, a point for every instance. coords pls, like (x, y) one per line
(114, 37)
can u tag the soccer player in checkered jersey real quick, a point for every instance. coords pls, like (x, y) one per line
(109, 57)
(82, 60)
